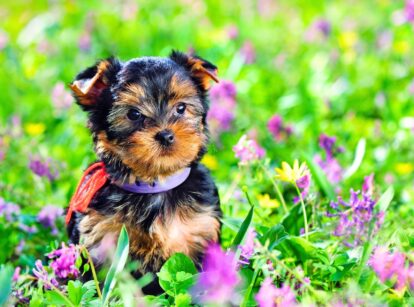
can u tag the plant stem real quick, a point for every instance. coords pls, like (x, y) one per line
(305, 218)
(279, 194)
(292, 272)
(95, 277)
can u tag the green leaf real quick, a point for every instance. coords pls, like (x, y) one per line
(75, 291)
(183, 300)
(293, 221)
(6, 275)
(177, 275)
(303, 250)
(359, 155)
(275, 235)
(121, 256)
(385, 199)
(54, 298)
(243, 228)
(320, 177)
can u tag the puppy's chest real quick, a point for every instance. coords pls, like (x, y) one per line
(186, 229)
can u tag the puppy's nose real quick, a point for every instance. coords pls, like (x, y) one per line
(165, 137)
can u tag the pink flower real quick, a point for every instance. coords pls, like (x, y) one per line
(219, 277)
(390, 265)
(409, 11)
(61, 98)
(248, 52)
(270, 296)
(223, 103)
(247, 249)
(248, 150)
(64, 259)
(16, 273)
(232, 32)
(4, 39)
(368, 185)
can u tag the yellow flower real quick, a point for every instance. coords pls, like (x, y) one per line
(34, 129)
(266, 202)
(404, 168)
(401, 47)
(291, 174)
(210, 161)
(347, 40)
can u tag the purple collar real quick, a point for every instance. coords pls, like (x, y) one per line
(170, 183)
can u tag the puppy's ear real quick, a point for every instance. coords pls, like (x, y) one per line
(200, 69)
(90, 83)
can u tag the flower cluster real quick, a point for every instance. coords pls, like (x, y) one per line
(330, 165)
(248, 150)
(64, 261)
(409, 11)
(247, 249)
(219, 278)
(61, 98)
(42, 169)
(9, 210)
(47, 217)
(392, 267)
(223, 103)
(355, 218)
(42, 275)
(278, 129)
(319, 29)
(271, 296)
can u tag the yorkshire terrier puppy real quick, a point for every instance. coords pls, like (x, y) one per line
(147, 117)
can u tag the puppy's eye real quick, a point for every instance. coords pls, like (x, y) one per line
(134, 114)
(181, 108)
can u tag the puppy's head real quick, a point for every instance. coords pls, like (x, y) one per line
(147, 115)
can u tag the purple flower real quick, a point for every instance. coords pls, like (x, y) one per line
(61, 98)
(219, 277)
(409, 11)
(64, 259)
(223, 102)
(43, 276)
(247, 249)
(390, 266)
(277, 128)
(331, 168)
(9, 210)
(48, 215)
(42, 169)
(303, 184)
(327, 143)
(319, 29)
(270, 296)
(248, 53)
(19, 248)
(27, 228)
(323, 26)
(248, 150)
(330, 165)
(355, 218)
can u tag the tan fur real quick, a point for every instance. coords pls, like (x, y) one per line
(185, 231)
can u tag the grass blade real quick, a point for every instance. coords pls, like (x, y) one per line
(121, 256)
(359, 156)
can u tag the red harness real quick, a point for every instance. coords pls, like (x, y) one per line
(87, 188)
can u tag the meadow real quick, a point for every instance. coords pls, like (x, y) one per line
(311, 147)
